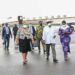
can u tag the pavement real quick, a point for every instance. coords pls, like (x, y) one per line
(11, 63)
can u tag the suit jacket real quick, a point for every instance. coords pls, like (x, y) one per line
(15, 29)
(4, 35)
(33, 30)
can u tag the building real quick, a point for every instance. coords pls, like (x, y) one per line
(56, 21)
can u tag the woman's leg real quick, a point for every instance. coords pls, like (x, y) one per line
(26, 56)
(23, 57)
(68, 48)
(65, 50)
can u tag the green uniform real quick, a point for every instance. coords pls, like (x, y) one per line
(39, 31)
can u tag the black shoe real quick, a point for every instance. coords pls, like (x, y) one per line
(55, 61)
(33, 48)
(24, 63)
(7, 49)
(47, 58)
(3, 43)
(39, 51)
(44, 51)
(66, 59)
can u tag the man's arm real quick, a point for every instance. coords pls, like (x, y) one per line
(44, 35)
(2, 33)
(10, 32)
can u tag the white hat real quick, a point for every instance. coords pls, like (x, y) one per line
(49, 24)
(25, 26)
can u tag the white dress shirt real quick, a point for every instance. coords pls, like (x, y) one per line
(31, 29)
(64, 27)
(48, 34)
(7, 30)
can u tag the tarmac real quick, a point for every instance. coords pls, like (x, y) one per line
(11, 62)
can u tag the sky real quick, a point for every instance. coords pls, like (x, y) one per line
(35, 8)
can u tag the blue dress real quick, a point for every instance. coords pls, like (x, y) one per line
(65, 39)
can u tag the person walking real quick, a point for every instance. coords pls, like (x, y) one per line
(32, 30)
(49, 39)
(6, 33)
(23, 39)
(39, 32)
(15, 29)
(64, 32)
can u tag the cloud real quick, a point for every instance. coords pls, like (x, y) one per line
(36, 8)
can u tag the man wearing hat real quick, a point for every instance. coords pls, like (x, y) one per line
(49, 39)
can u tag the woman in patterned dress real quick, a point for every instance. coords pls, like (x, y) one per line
(23, 39)
(64, 32)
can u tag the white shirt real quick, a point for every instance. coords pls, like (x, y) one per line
(31, 30)
(64, 27)
(7, 30)
(48, 34)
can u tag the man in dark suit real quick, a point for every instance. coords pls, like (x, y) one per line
(32, 30)
(15, 29)
(6, 33)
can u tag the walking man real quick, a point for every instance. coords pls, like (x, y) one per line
(6, 33)
(15, 29)
(32, 31)
(49, 40)
(39, 31)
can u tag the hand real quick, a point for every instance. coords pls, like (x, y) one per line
(34, 38)
(33, 41)
(11, 36)
(43, 41)
(17, 41)
(2, 38)
(54, 36)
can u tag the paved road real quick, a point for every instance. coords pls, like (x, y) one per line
(11, 64)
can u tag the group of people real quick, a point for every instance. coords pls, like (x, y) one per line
(49, 35)
(7, 34)
(26, 35)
